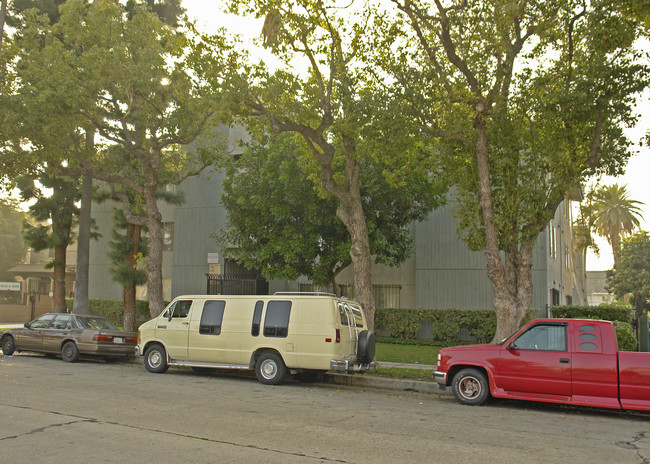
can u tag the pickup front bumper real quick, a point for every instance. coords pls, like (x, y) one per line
(440, 378)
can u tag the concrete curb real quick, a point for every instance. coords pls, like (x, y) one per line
(370, 381)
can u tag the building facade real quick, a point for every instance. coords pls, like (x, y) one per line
(442, 273)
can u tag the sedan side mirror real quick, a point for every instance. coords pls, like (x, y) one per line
(27, 325)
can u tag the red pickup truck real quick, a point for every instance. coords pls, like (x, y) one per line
(572, 361)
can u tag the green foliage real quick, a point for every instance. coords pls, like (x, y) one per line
(54, 214)
(279, 224)
(632, 269)
(621, 316)
(480, 324)
(128, 251)
(113, 310)
(13, 246)
(625, 336)
(602, 312)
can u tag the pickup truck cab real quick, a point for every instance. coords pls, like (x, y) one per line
(570, 361)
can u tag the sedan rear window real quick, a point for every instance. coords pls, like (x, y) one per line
(95, 323)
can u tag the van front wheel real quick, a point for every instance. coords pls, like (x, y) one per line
(155, 359)
(270, 369)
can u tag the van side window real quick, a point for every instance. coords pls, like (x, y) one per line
(276, 321)
(212, 317)
(257, 318)
(180, 309)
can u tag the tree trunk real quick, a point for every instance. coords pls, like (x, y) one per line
(58, 289)
(511, 282)
(133, 234)
(350, 211)
(154, 258)
(80, 305)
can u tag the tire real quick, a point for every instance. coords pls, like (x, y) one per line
(470, 386)
(8, 345)
(366, 347)
(270, 369)
(69, 352)
(155, 359)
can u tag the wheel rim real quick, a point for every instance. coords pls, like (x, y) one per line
(269, 369)
(6, 345)
(469, 388)
(68, 351)
(154, 359)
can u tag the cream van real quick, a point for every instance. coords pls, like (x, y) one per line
(297, 333)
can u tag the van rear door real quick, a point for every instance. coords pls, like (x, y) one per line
(349, 331)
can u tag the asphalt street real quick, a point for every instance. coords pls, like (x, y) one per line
(57, 412)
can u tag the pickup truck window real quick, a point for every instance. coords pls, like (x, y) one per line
(542, 338)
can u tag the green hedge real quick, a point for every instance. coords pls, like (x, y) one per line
(602, 312)
(621, 317)
(113, 310)
(447, 324)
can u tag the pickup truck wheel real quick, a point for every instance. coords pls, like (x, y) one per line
(8, 345)
(155, 359)
(470, 386)
(270, 369)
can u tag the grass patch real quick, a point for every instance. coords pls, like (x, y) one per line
(404, 374)
(411, 354)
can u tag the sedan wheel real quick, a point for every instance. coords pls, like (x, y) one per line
(69, 352)
(8, 345)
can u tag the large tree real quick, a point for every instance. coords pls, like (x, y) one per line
(280, 224)
(55, 215)
(631, 274)
(529, 98)
(339, 110)
(142, 86)
(615, 215)
(13, 246)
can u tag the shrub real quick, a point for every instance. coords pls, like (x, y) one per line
(625, 336)
(447, 324)
(602, 312)
(113, 310)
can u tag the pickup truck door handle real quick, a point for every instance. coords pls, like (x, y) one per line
(565, 360)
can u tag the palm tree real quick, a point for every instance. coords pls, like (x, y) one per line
(615, 215)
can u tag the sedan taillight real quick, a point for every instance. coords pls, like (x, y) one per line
(103, 338)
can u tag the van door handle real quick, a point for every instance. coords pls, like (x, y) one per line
(161, 327)
(186, 323)
(565, 360)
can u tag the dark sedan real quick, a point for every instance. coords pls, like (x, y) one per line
(71, 336)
